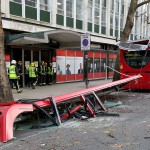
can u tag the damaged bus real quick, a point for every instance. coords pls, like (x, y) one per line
(135, 59)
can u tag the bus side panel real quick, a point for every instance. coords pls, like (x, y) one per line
(125, 70)
(140, 84)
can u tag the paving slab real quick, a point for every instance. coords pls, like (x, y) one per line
(55, 89)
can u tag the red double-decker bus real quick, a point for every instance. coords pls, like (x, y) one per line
(135, 59)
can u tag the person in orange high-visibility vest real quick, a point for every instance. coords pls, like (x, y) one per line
(14, 75)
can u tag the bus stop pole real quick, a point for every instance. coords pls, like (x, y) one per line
(86, 69)
(107, 62)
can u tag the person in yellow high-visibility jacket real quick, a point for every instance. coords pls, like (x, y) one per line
(32, 75)
(42, 73)
(14, 75)
(50, 72)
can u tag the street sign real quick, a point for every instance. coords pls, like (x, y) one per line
(85, 41)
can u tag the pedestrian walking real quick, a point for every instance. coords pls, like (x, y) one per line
(14, 75)
(32, 75)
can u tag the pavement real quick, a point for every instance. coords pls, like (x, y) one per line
(55, 89)
(130, 131)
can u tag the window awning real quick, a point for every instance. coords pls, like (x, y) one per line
(64, 37)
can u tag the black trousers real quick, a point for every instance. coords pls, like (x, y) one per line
(42, 79)
(27, 81)
(33, 81)
(50, 79)
(21, 81)
(15, 82)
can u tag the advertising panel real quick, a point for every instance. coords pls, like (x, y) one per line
(69, 65)
(97, 73)
(60, 68)
(78, 65)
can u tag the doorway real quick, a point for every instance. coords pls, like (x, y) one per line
(27, 56)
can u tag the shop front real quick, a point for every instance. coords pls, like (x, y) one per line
(26, 55)
(62, 49)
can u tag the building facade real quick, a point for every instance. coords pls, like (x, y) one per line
(49, 30)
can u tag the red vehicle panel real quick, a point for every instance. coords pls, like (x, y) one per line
(136, 61)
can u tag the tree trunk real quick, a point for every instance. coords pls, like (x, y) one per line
(5, 90)
(125, 35)
(129, 22)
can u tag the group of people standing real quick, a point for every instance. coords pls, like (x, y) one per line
(43, 74)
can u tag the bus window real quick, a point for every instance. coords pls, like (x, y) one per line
(137, 59)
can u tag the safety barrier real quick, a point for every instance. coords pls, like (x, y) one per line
(10, 111)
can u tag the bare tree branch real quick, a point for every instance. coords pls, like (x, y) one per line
(142, 3)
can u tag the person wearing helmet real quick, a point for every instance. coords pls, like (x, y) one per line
(50, 72)
(14, 75)
(32, 75)
(42, 73)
